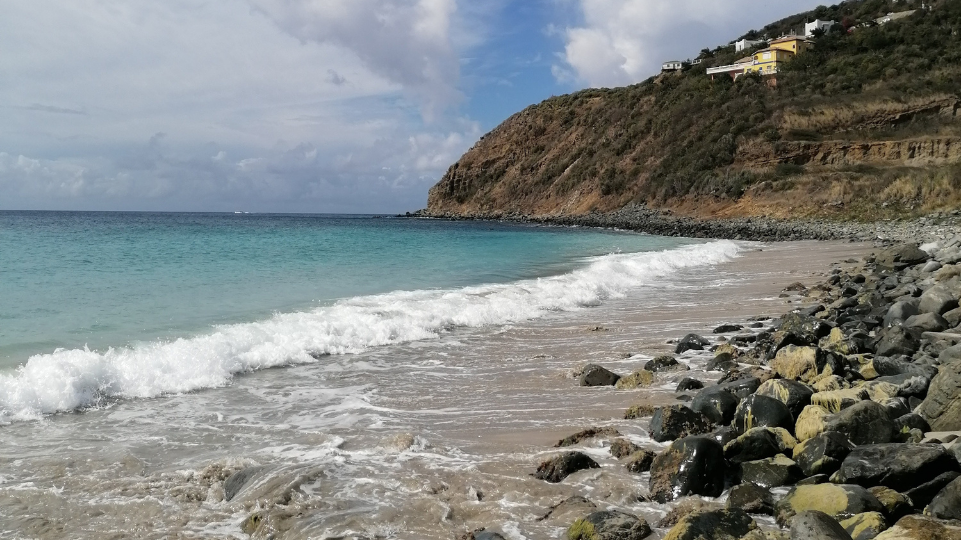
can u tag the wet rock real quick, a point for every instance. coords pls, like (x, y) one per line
(812, 524)
(947, 503)
(726, 434)
(757, 443)
(799, 363)
(794, 394)
(898, 340)
(823, 453)
(686, 507)
(609, 525)
(837, 400)
(640, 461)
(560, 467)
(923, 494)
(677, 421)
(588, 433)
(942, 406)
(751, 498)
(921, 528)
(639, 379)
(887, 367)
(691, 342)
(865, 526)
(900, 467)
(482, 534)
(716, 405)
(727, 328)
(688, 384)
(722, 362)
(802, 330)
(728, 524)
(771, 472)
(910, 421)
(568, 508)
(690, 466)
(740, 387)
(665, 363)
(761, 411)
(640, 410)
(833, 499)
(939, 299)
(238, 480)
(865, 422)
(621, 448)
(896, 505)
(595, 375)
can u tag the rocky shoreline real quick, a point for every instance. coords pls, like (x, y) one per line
(840, 419)
(939, 226)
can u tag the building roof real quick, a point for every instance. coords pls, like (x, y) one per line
(790, 38)
(744, 60)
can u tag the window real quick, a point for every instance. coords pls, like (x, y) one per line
(767, 56)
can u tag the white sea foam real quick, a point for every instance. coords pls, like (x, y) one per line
(67, 380)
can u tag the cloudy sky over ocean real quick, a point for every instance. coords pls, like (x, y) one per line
(303, 105)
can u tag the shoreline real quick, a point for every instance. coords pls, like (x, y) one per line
(640, 218)
(789, 436)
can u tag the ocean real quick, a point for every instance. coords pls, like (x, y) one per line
(379, 377)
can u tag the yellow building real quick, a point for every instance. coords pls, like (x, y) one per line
(768, 61)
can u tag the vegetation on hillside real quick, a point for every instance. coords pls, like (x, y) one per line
(681, 134)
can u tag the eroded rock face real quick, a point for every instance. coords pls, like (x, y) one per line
(609, 525)
(690, 466)
(833, 499)
(942, 406)
(560, 467)
(900, 467)
(729, 524)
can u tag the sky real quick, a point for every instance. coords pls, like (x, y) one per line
(332, 106)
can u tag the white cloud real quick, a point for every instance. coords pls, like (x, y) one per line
(625, 41)
(188, 104)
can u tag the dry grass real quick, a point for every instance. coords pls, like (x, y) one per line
(830, 119)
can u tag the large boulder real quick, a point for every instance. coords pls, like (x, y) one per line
(640, 461)
(716, 404)
(822, 454)
(942, 406)
(794, 394)
(900, 312)
(901, 257)
(595, 375)
(898, 466)
(757, 443)
(621, 448)
(837, 501)
(811, 524)
(865, 422)
(665, 363)
(921, 528)
(751, 498)
(771, 472)
(762, 411)
(609, 525)
(927, 322)
(641, 378)
(800, 329)
(728, 524)
(947, 503)
(677, 421)
(923, 494)
(690, 466)
(939, 299)
(896, 505)
(560, 467)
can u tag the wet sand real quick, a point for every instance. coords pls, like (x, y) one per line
(426, 440)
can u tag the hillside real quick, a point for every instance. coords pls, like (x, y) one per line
(864, 126)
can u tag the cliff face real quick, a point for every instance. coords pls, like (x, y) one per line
(867, 125)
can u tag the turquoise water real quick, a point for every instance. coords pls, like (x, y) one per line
(99, 280)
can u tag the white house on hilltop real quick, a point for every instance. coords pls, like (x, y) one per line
(746, 44)
(818, 24)
(673, 65)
